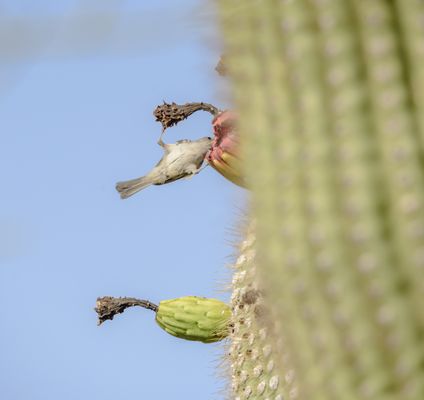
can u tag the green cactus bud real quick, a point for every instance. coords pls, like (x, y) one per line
(194, 318)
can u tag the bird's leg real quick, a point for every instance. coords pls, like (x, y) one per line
(192, 170)
(160, 141)
(201, 168)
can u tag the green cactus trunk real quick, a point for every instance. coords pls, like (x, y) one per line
(331, 101)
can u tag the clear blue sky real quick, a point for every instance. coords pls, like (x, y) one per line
(78, 84)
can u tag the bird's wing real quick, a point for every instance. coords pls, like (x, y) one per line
(176, 178)
(167, 149)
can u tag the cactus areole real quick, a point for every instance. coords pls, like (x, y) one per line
(224, 155)
(194, 318)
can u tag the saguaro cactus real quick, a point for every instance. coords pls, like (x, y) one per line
(330, 96)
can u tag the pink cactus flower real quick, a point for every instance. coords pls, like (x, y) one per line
(224, 153)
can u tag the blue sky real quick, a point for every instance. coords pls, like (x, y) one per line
(78, 84)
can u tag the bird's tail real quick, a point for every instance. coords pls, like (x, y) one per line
(128, 188)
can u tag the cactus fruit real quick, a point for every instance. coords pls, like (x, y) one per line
(224, 155)
(194, 318)
(329, 95)
(190, 317)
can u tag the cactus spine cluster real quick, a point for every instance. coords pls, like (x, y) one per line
(331, 101)
(254, 373)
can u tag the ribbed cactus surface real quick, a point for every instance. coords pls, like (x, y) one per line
(254, 373)
(330, 96)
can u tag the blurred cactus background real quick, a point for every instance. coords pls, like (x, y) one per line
(330, 96)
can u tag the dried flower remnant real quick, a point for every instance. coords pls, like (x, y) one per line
(170, 114)
(107, 307)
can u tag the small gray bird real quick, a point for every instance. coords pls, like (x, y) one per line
(180, 160)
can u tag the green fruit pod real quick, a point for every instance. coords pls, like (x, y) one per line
(194, 318)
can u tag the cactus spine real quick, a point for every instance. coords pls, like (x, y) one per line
(330, 95)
